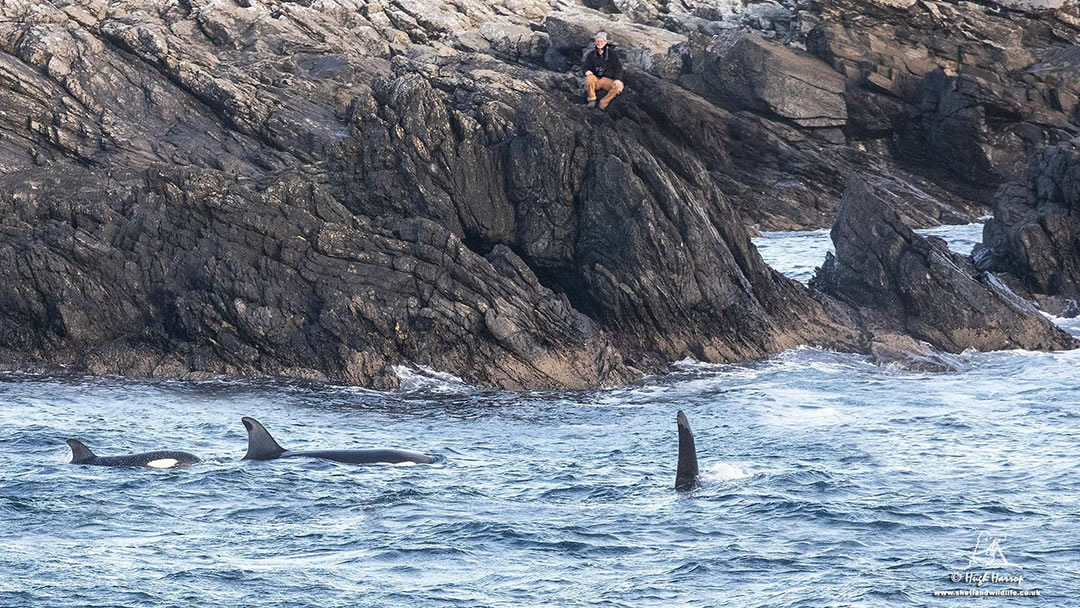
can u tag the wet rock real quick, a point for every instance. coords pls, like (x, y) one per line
(903, 283)
(326, 190)
(1034, 234)
(191, 272)
(903, 352)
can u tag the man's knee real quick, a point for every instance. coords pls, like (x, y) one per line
(591, 79)
(617, 86)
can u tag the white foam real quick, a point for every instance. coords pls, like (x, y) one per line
(724, 471)
(691, 363)
(424, 378)
(163, 463)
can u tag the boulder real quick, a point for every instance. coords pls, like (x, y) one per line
(904, 283)
(904, 352)
(1034, 235)
(744, 71)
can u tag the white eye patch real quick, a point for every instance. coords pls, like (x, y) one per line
(163, 463)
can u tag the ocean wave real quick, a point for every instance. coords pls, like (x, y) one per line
(724, 471)
(421, 378)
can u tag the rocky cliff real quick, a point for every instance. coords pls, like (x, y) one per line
(326, 189)
(1033, 238)
(898, 283)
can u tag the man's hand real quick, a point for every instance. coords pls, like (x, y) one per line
(588, 72)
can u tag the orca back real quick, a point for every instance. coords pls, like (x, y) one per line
(369, 456)
(686, 477)
(160, 459)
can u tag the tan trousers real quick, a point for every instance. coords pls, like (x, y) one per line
(592, 83)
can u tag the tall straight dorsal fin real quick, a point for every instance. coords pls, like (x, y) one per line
(261, 446)
(686, 477)
(80, 454)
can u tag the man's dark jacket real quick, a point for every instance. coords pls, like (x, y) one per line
(604, 66)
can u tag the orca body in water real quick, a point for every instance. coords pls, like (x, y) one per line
(161, 459)
(261, 446)
(686, 477)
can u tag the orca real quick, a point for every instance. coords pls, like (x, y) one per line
(261, 446)
(686, 477)
(161, 459)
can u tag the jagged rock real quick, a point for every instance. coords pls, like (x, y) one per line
(328, 189)
(769, 17)
(779, 177)
(326, 192)
(1036, 5)
(191, 272)
(903, 283)
(1034, 235)
(966, 91)
(510, 41)
(591, 207)
(749, 73)
(640, 11)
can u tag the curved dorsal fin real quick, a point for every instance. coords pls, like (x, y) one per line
(80, 454)
(261, 446)
(686, 478)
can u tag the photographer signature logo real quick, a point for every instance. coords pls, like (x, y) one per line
(988, 561)
(988, 552)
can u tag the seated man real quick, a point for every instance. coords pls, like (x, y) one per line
(602, 71)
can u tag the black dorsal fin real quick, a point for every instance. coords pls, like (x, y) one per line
(261, 446)
(80, 454)
(686, 478)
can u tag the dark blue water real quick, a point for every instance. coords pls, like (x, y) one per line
(828, 482)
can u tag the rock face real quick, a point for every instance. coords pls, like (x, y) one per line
(327, 189)
(964, 91)
(754, 74)
(900, 282)
(279, 190)
(1034, 235)
(773, 136)
(190, 273)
